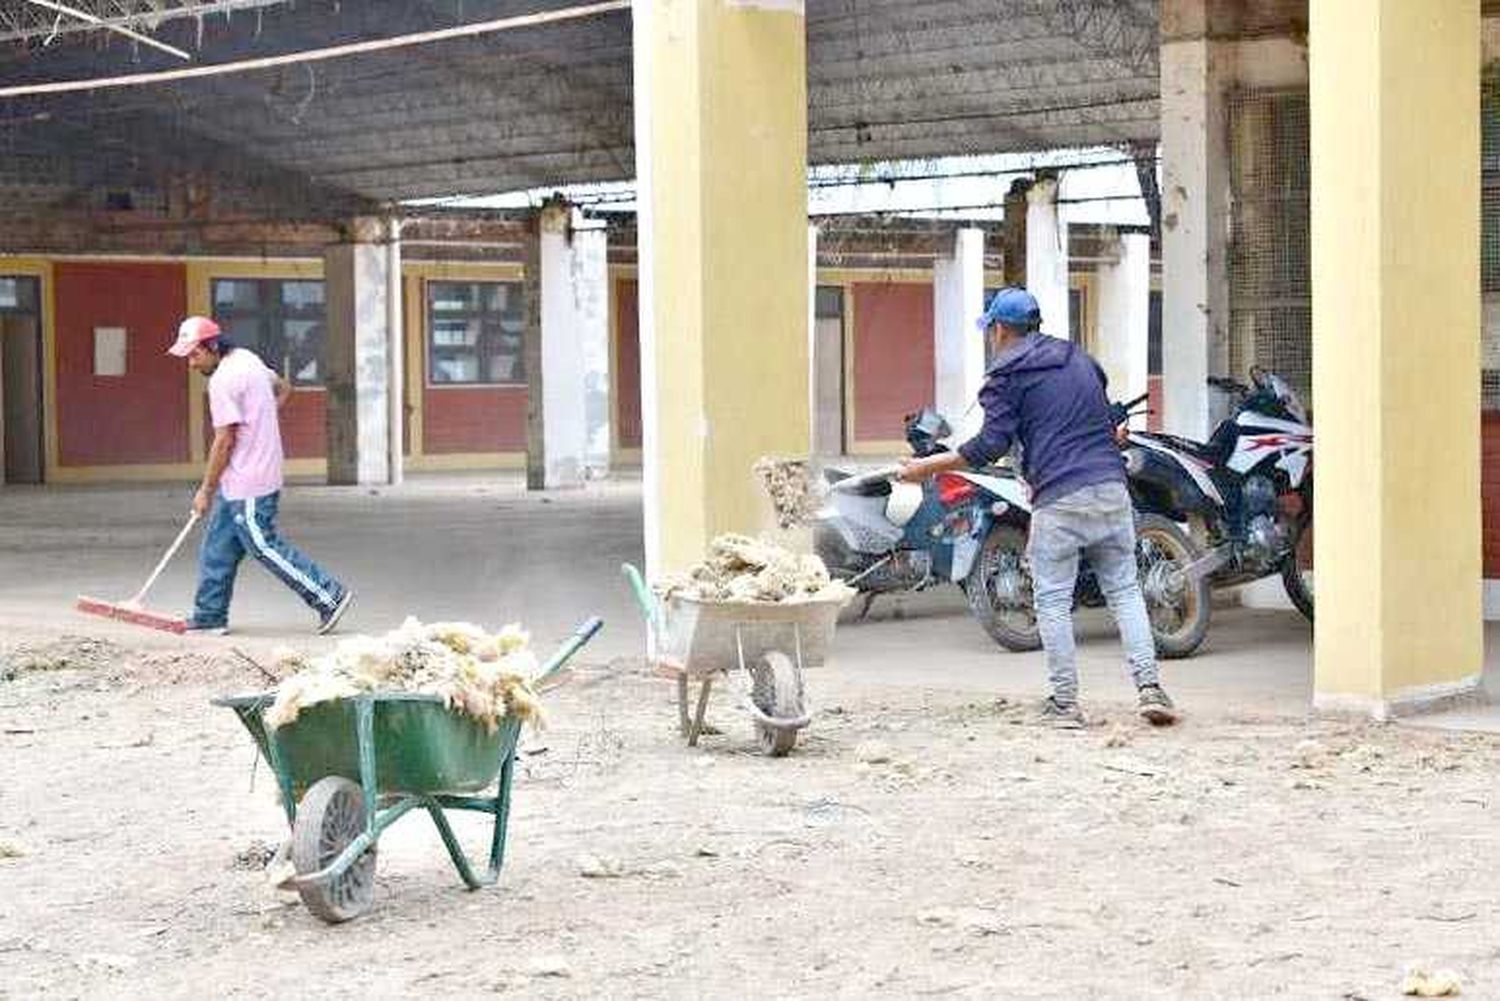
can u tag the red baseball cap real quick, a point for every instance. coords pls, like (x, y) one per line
(192, 332)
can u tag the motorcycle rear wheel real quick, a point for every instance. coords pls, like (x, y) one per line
(1179, 609)
(1008, 614)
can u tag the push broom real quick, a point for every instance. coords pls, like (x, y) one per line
(130, 610)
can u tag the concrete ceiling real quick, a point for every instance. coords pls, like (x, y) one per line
(525, 108)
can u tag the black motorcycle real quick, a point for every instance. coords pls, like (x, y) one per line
(1245, 495)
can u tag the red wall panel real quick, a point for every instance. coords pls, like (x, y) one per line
(141, 416)
(1489, 490)
(304, 425)
(893, 356)
(628, 363)
(1154, 402)
(474, 419)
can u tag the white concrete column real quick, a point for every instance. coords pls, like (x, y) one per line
(1195, 72)
(1124, 312)
(591, 314)
(564, 400)
(395, 357)
(957, 302)
(1047, 256)
(357, 347)
(813, 359)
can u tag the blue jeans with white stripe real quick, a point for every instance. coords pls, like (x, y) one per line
(237, 527)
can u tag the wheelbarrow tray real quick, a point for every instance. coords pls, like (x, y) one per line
(420, 745)
(704, 637)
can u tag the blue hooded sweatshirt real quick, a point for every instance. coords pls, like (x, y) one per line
(1051, 395)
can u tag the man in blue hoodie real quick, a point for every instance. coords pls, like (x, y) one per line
(1049, 395)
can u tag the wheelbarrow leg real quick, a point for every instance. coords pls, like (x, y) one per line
(502, 815)
(455, 850)
(697, 726)
(685, 721)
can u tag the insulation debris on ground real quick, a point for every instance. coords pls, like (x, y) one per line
(739, 568)
(789, 483)
(480, 674)
(1422, 984)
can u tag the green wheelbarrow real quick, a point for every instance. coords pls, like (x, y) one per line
(349, 769)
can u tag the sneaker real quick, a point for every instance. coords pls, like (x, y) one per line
(1061, 716)
(205, 629)
(330, 621)
(1154, 707)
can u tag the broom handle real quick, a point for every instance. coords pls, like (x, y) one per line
(171, 551)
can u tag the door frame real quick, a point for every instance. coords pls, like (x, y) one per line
(41, 276)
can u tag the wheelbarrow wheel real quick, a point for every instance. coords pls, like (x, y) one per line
(777, 692)
(330, 816)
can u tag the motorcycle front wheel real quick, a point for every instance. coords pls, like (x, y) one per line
(999, 590)
(1178, 608)
(1297, 571)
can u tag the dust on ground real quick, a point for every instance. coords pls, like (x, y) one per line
(917, 843)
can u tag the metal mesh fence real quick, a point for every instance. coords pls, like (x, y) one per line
(1270, 282)
(1270, 290)
(1489, 230)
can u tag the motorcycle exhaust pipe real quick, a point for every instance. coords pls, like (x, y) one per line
(1206, 564)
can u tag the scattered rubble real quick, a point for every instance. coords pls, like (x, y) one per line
(66, 653)
(254, 857)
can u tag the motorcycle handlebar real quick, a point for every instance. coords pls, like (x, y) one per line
(865, 479)
(1229, 385)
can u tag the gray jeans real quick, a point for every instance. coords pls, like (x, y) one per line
(1096, 522)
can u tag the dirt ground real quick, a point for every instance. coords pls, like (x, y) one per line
(918, 843)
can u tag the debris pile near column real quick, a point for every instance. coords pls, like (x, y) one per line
(477, 673)
(789, 483)
(739, 568)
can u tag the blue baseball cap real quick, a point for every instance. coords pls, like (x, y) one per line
(1014, 307)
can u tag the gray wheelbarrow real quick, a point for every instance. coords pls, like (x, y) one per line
(696, 642)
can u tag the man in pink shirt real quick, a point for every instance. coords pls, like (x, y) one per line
(242, 484)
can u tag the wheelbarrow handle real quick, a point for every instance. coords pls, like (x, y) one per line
(585, 632)
(643, 596)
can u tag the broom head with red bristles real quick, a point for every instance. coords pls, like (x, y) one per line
(132, 612)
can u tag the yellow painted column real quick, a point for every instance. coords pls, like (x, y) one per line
(721, 162)
(1395, 273)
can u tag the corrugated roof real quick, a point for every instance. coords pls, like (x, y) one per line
(545, 105)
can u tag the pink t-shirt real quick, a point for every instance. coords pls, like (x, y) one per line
(242, 391)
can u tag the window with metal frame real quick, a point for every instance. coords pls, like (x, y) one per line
(474, 334)
(281, 319)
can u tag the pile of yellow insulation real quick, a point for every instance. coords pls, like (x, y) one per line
(739, 568)
(477, 673)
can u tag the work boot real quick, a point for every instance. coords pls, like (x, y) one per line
(1154, 706)
(1061, 715)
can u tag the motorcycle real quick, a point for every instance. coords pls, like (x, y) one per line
(969, 529)
(999, 588)
(882, 536)
(1246, 493)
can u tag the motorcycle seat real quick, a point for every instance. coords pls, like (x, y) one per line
(1209, 453)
